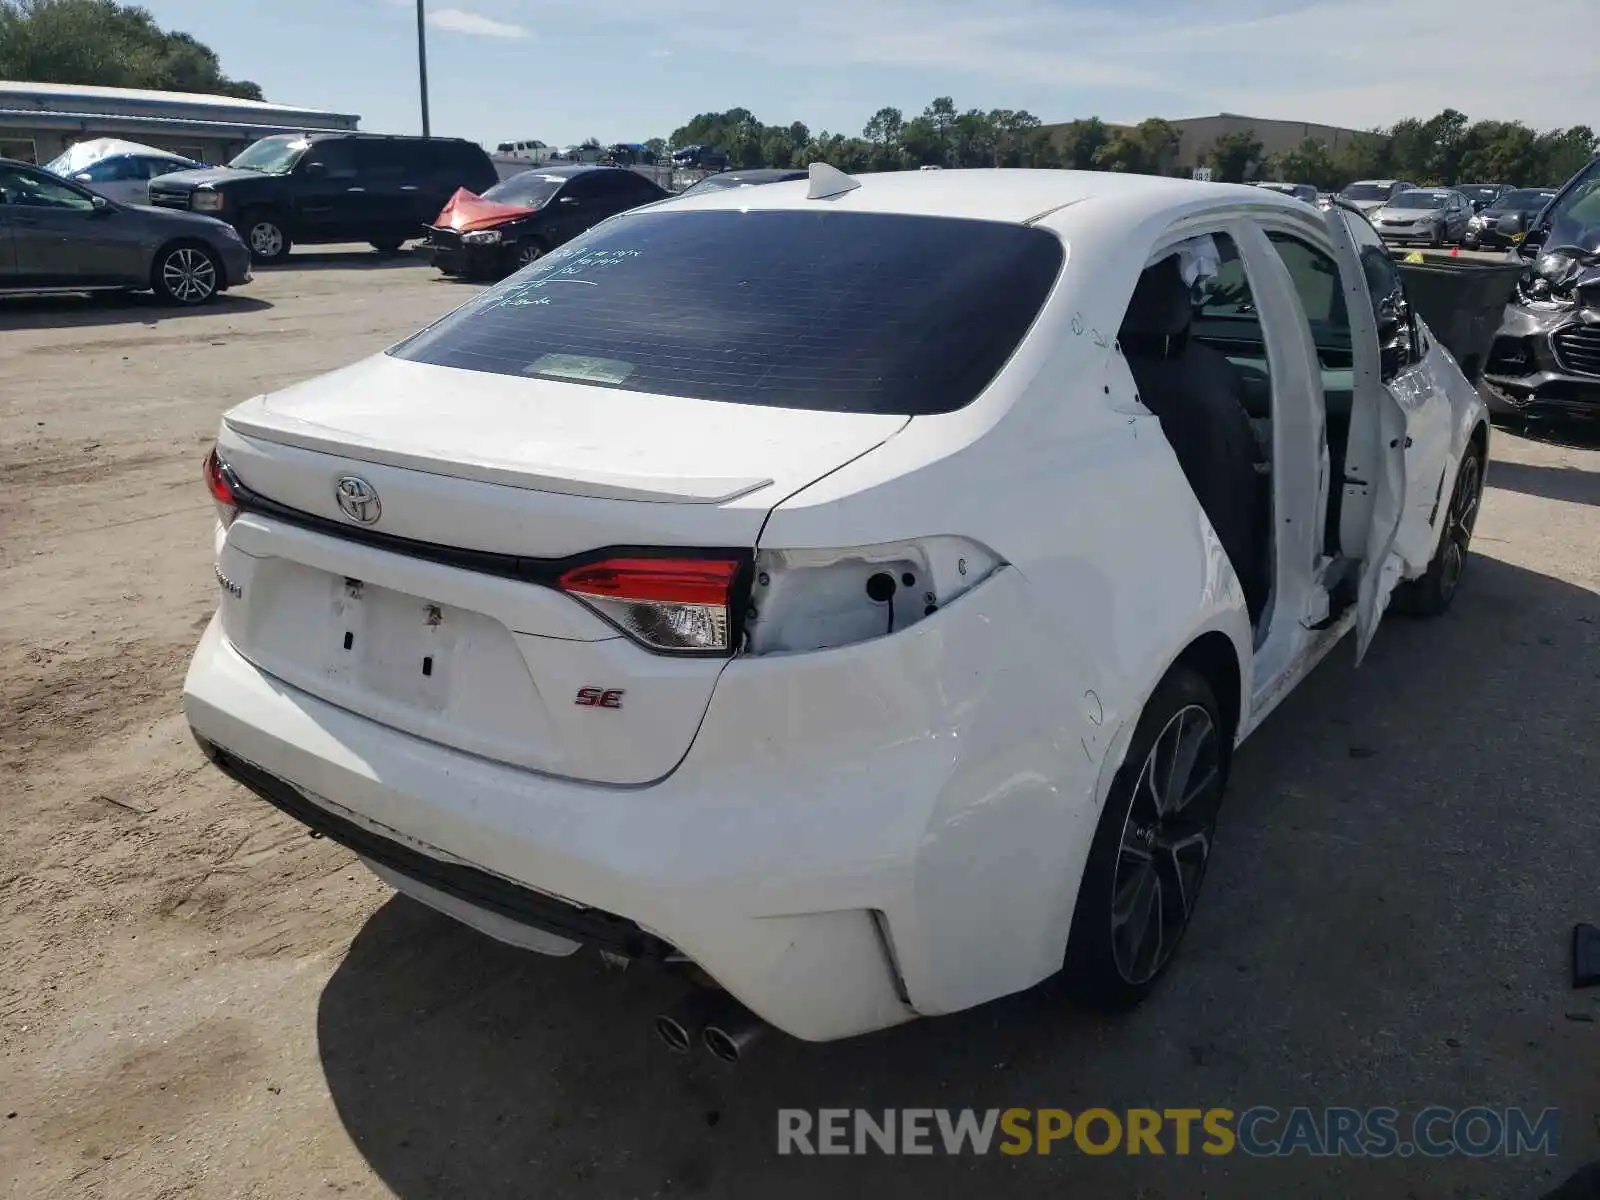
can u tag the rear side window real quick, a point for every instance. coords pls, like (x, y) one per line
(840, 312)
(461, 161)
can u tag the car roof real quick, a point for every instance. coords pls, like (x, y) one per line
(563, 170)
(1012, 194)
(323, 135)
(106, 147)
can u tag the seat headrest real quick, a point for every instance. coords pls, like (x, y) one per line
(1161, 307)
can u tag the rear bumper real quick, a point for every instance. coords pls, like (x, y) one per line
(235, 264)
(822, 852)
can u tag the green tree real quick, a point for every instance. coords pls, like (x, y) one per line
(921, 143)
(1235, 157)
(1562, 153)
(104, 43)
(1077, 144)
(1309, 162)
(884, 127)
(1365, 156)
(1499, 151)
(1149, 148)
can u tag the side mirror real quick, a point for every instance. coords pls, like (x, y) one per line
(102, 206)
(572, 201)
(315, 170)
(83, 177)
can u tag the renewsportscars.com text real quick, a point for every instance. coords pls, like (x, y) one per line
(1261, 1131)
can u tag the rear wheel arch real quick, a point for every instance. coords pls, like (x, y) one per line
(1479, 438)
(1213, 656)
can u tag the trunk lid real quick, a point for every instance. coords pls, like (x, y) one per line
(351, 612)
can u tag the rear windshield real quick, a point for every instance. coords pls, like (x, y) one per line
(834, 311)
(1366, 191)
(1415, 199)
(1525, 199)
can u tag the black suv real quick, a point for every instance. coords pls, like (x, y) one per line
(329, 187)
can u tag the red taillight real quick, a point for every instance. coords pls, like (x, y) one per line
(669, 580)
(219, 482)
(217, 479)
(680, 605)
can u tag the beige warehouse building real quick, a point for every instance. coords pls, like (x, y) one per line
(40, 120)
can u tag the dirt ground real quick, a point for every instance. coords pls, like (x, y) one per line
(198, 999)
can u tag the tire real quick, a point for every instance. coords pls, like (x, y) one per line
(528, 251)
(388, 245)
(1146, 858)
(1431, 594)
(186, 274)
(266, 236)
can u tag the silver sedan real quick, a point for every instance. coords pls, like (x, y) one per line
(1437, 216)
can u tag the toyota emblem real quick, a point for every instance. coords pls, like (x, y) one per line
(358, 499)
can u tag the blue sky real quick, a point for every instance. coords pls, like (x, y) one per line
(626, 70)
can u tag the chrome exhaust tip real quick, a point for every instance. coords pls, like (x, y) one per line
(674, 1034)
(731, 1031)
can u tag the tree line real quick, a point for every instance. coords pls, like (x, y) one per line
(1445, 149)
(107, 44)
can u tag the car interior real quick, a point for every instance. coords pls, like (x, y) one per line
(1199, 396)
(1197, 351)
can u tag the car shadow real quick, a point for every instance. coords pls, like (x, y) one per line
(114, 308)
(1398, 862)
(1572, 435)
(1575, 485)
(355, 259)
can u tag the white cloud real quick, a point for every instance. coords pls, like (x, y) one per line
(458, 20)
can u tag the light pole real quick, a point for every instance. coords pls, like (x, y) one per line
(422, 63)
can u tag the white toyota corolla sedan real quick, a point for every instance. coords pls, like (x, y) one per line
(854, 588)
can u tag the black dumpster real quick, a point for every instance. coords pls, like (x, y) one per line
(1462, 301)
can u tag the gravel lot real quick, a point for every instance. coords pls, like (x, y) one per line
(197, 999)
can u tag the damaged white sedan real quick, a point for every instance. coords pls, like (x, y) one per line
(852, 589)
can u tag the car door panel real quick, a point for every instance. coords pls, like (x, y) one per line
(571, 210)
(8, 254)
(327, 193)
(1399, 440)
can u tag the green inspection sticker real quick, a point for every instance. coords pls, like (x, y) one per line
(580, 366)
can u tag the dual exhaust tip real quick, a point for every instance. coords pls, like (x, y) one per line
(716, 1020)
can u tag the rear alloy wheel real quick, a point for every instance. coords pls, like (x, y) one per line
(185, 275)
(1432, 593)
(527, 252)
(1151, 849)
(267, 239)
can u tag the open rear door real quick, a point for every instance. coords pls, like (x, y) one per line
(1374, 483)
